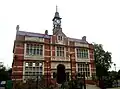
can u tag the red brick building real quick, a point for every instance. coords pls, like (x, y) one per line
(41, 54)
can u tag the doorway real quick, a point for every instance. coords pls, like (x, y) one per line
(61, 75)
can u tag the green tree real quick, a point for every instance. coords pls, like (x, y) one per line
(118, 74)
(102, 60)
(5, 74)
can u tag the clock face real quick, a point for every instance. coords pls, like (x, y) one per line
(55, 22)
(58, 21)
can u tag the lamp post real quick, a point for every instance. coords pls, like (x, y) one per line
(115, 66)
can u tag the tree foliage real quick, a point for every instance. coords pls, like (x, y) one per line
(5, 74)
(102, 60)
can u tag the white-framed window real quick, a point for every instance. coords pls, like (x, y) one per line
(35, 69)
(34, 49)
(60, 51)
(82, 53)
(83, 68)
(60, 38)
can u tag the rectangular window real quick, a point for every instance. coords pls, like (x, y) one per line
(84, 68)
(59, 37)
(33, 49)
(82, 53)
(33, 68)
(60, 51)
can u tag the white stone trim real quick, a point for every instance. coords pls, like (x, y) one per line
(76, 67)
(89, 54)
(19, 47)
(76, 60)
(25, 49)
(42, 68)
(43, 51)
(19, 54)
(81, 44)
(17, 71)
(56, 52)
(75, 54)
(17, 66)
(35, 57)
(90, 70)
(47, 50)
(17, 79)
(65, 52)
(23, 70)
(34, 39)
(83, 60)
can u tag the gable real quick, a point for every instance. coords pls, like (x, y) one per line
(59, 32)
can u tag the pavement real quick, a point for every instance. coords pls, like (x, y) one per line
(95, 87)
(114, 88)
(91, 87)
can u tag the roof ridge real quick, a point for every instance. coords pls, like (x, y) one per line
(32, 32)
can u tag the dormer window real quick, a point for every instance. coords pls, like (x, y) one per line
(60, 38)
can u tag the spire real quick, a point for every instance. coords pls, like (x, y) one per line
(56, 21)
(56, 13)
(56, 8)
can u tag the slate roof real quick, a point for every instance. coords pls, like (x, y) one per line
(24, 33)
(77, 40)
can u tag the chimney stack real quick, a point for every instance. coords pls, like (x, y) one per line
(46, 32)
(84, 38)
(17, 27)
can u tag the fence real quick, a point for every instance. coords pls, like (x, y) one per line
(29, 81)
(38, 82)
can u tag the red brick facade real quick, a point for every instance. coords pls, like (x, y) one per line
(69, 56)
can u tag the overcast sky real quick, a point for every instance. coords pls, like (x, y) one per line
(99, 20)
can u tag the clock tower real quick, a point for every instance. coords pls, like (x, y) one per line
(56, 22)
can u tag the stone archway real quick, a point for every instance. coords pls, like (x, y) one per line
(61, 76)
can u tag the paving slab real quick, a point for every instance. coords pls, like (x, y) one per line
(91, 87)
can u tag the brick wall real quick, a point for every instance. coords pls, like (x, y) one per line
(17, 67)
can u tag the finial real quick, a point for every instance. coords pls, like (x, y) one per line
(56, 8)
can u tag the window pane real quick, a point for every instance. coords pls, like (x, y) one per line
(38, 51)
(34, 51)
(27, 51)
(41, 52)
(33, 65)
(82, 53)
(60, 51)
(40, 64)
(26, 64)
(30, 53)
(57, 53)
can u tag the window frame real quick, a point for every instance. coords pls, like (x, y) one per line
(60, 38)
(60, 51)
(82, 53)
(34, 49)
